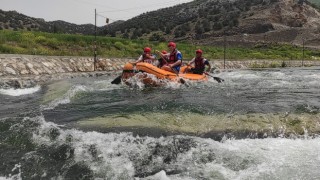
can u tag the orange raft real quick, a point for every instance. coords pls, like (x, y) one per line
(130, 70)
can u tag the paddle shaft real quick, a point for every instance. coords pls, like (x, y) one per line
(219, 80)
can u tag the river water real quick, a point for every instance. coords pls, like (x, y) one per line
(70, 129)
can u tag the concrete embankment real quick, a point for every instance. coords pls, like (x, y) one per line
(24, 70)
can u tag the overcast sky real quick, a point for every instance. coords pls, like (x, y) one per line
(82, 11)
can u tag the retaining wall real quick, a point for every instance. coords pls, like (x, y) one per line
(42, 68)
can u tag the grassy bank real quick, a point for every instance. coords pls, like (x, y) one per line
(40, 43)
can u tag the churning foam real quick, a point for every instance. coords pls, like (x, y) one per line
(66, 98)
(19, 92)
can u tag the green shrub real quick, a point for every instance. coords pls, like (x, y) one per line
(119, 45)
(40, 39)
(4, 48)
(53, 43)
(274, 64)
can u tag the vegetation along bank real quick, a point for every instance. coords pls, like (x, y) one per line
(41, 56)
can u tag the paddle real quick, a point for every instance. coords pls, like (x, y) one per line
(117, 80)
(164, 60)
(219, 80)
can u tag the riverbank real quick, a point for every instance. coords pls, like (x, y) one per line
(21, 71)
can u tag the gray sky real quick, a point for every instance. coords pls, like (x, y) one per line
(82, 11)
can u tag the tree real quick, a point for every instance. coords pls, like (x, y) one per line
(154, 37)
(206, 25)
(217, 26)
(235, 22)
(186, 27)
(125, 35)
(113, 34)
(57, 28)
(198, 28)
(135, 34)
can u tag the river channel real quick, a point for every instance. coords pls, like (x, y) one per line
(257, 124)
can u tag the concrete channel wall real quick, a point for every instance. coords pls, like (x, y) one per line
(37, 69)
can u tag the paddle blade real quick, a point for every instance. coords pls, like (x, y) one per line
(117, 80)
(219, 80)
(182, 81)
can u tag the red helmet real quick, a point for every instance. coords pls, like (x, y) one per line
(199, 51)
(164, 52)
(147, 49)
(172, 44)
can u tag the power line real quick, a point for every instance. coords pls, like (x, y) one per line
(94, 4)
(135, 8)
(127, 10)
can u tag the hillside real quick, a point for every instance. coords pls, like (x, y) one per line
(206, 22)
(243, 22)
(13, 20)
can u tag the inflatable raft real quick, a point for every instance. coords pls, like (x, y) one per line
(130, 70)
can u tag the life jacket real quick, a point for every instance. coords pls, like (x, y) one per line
(199, 63)
(162, 62)
(173, 57)
(146, 59)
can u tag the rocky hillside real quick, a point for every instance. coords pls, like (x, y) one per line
(15, 21)
(287, 21)
(242, 22)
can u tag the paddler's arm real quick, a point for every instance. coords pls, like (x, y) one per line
(191, 62)
(162, 56)
(175, 64)
(139, 60)
(208, 64)
(152, 57)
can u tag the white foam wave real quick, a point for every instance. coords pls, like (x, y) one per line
(105, 85)
(66, 98)
(137, 82)
(20, 92)
(241, 75)
(277, 74)
(120, 155)
(158, 176)
(15, 176)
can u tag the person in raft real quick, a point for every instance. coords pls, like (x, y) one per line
(146, 56)
(174, 58)
(163, 60)
(199, 63)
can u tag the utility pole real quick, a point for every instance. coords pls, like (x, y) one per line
(95, 39)
(224, 50)
(302, 51)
